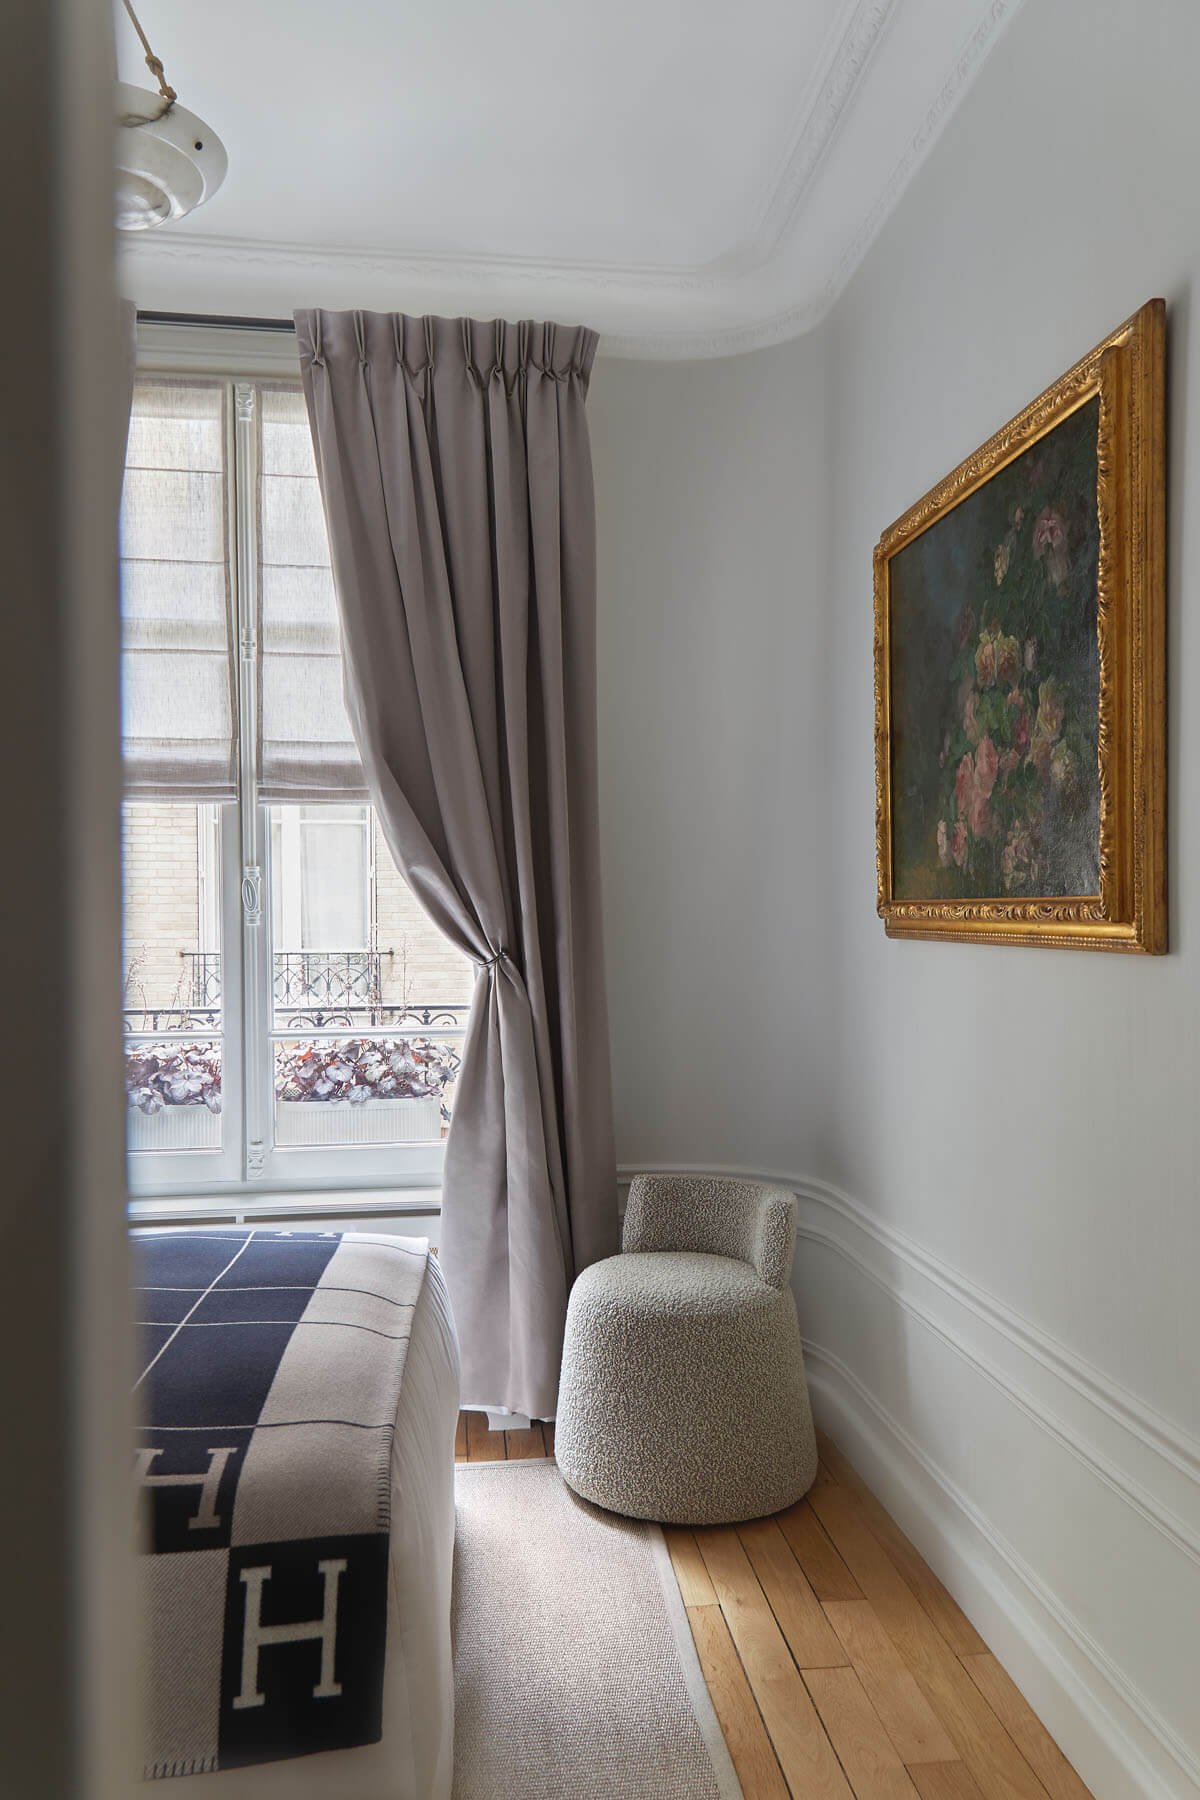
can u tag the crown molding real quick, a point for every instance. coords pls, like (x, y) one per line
(753, 297)
(842, 63)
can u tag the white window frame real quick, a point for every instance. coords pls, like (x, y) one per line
(250, 1170)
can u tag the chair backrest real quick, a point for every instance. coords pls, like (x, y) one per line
(752, 1221)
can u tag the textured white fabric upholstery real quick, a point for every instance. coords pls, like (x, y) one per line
(682, 1396)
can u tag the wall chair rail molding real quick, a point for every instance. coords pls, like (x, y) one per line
(1033, 1515)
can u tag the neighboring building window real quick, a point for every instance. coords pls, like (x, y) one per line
(292, 1017)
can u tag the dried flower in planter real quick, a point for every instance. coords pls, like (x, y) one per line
(158, 1075)
(361, 1069)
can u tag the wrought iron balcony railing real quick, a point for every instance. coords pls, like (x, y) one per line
(314, 990)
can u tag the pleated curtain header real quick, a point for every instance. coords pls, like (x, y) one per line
(482, 349)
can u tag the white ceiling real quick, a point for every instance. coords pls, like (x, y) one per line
(692, 177)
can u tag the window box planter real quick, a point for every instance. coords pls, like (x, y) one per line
(173, 1128)
(304, 1122)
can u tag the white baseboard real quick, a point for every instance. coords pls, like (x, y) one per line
(1109, 1731)
(920, 1374)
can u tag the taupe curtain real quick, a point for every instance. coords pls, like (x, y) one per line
(456, 478)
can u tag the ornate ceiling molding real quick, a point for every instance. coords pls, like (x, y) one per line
(842, 64)
(744, 301)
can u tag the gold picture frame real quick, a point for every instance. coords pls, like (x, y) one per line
(1020, 692)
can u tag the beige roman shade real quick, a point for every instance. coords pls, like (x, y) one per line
(306, 750)
(181, 606)
(178, 693)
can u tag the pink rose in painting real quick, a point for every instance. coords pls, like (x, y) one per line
(985, 661)
(1021, 729)
(943, 844)
(964, 785)
(987, 767)
(958, 845)
(1050, 543)
(972, 724)
(1009, 761)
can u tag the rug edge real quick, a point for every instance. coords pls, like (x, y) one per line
(729, 1786)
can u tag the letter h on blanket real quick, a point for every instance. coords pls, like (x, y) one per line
(256, 1635)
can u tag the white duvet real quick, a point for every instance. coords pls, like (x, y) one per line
(414, 1760)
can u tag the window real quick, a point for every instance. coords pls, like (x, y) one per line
(292, 1017)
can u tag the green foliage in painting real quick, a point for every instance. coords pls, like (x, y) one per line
(995, 683)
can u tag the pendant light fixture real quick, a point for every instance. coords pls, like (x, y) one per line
(168, 161)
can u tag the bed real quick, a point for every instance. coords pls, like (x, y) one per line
(413, 1758)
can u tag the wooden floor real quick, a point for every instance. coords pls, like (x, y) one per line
(838, 1665)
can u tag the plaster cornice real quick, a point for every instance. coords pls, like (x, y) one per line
(760, 294)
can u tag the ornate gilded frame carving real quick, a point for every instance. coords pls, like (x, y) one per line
(1130, 911)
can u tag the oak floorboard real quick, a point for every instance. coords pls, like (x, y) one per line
(690, 1572)
(945, 1781)
(865, 1750)
(1025, 1728)
(810, 1767)
(737, 1713)
(941, 1606)
(897, 1696)
(525, 1446)
(826, 1573)
(811, 1638)
(891, 1686)
(976, 1733)
(483, 1445)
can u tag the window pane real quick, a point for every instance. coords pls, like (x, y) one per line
(172, 971)
(370, 1001)
(306, 748)
(177, 678)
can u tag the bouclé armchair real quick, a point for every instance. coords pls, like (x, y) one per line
(683, 1395)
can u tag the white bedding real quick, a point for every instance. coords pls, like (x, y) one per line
(414, 1760)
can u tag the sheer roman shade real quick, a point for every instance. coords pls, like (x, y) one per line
(179, 713)
(180, 636)
(306, 750)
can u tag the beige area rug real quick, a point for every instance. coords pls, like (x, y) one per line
(575, 1676)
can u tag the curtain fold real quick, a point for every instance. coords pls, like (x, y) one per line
(456, 479)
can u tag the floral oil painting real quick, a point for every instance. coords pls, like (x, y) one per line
(1020, 728)
(996, 683)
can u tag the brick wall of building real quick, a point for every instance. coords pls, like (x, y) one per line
(161, 860)
(161, 864)
(424, 968)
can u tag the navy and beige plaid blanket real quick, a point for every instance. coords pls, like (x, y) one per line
(271, 1364)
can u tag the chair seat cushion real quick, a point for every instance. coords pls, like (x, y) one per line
(664, 1284)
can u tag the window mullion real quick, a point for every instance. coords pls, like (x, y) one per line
(256, 979)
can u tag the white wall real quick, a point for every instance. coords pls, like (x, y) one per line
(1032, 1118)
(712, 494)
(998, 1150)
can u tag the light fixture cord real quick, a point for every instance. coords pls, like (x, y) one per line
(153, 63)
